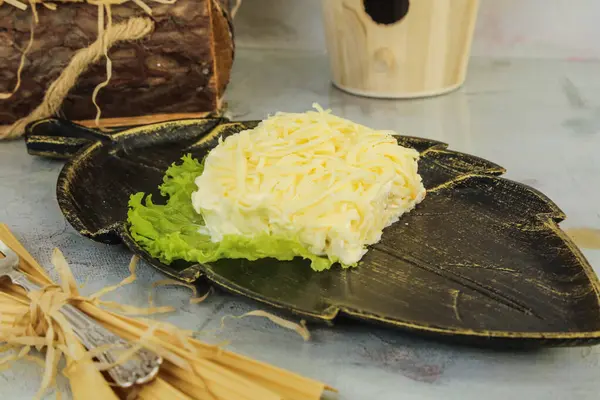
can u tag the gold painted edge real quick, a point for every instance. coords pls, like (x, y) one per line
(218, 130)
(39, 122)
(148, 129)
(63, 184)
(62, 140)
(49, 154)
(557, 212)
(576, 251)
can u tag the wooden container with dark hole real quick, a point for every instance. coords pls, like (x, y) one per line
(399, 48)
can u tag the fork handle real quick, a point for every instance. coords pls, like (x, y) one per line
(136, 370)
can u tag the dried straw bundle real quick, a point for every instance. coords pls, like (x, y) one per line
(191, 370)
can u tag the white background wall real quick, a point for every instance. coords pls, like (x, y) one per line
(566, 29)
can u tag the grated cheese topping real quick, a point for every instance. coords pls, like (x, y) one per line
(329, 182)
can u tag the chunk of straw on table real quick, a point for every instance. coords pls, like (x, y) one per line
(191, 369)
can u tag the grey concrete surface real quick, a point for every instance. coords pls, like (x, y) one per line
(539, 119)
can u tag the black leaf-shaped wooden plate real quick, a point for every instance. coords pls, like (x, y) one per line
(481, 260)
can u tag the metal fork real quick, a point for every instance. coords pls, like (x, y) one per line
(139, 369)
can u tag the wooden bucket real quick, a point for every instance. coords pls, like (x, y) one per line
(399, 48)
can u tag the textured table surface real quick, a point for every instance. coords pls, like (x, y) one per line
(539, 119)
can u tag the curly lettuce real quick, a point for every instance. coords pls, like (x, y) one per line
(172, 231)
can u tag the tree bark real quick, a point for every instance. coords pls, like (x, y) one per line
(182, 67)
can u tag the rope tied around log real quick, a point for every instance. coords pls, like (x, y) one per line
(52, 4)
(133, 29)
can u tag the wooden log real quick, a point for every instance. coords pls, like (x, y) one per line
(183, 67)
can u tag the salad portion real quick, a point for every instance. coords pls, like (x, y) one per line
(310, 185)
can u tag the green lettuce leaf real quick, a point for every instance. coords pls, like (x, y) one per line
(170, 232)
